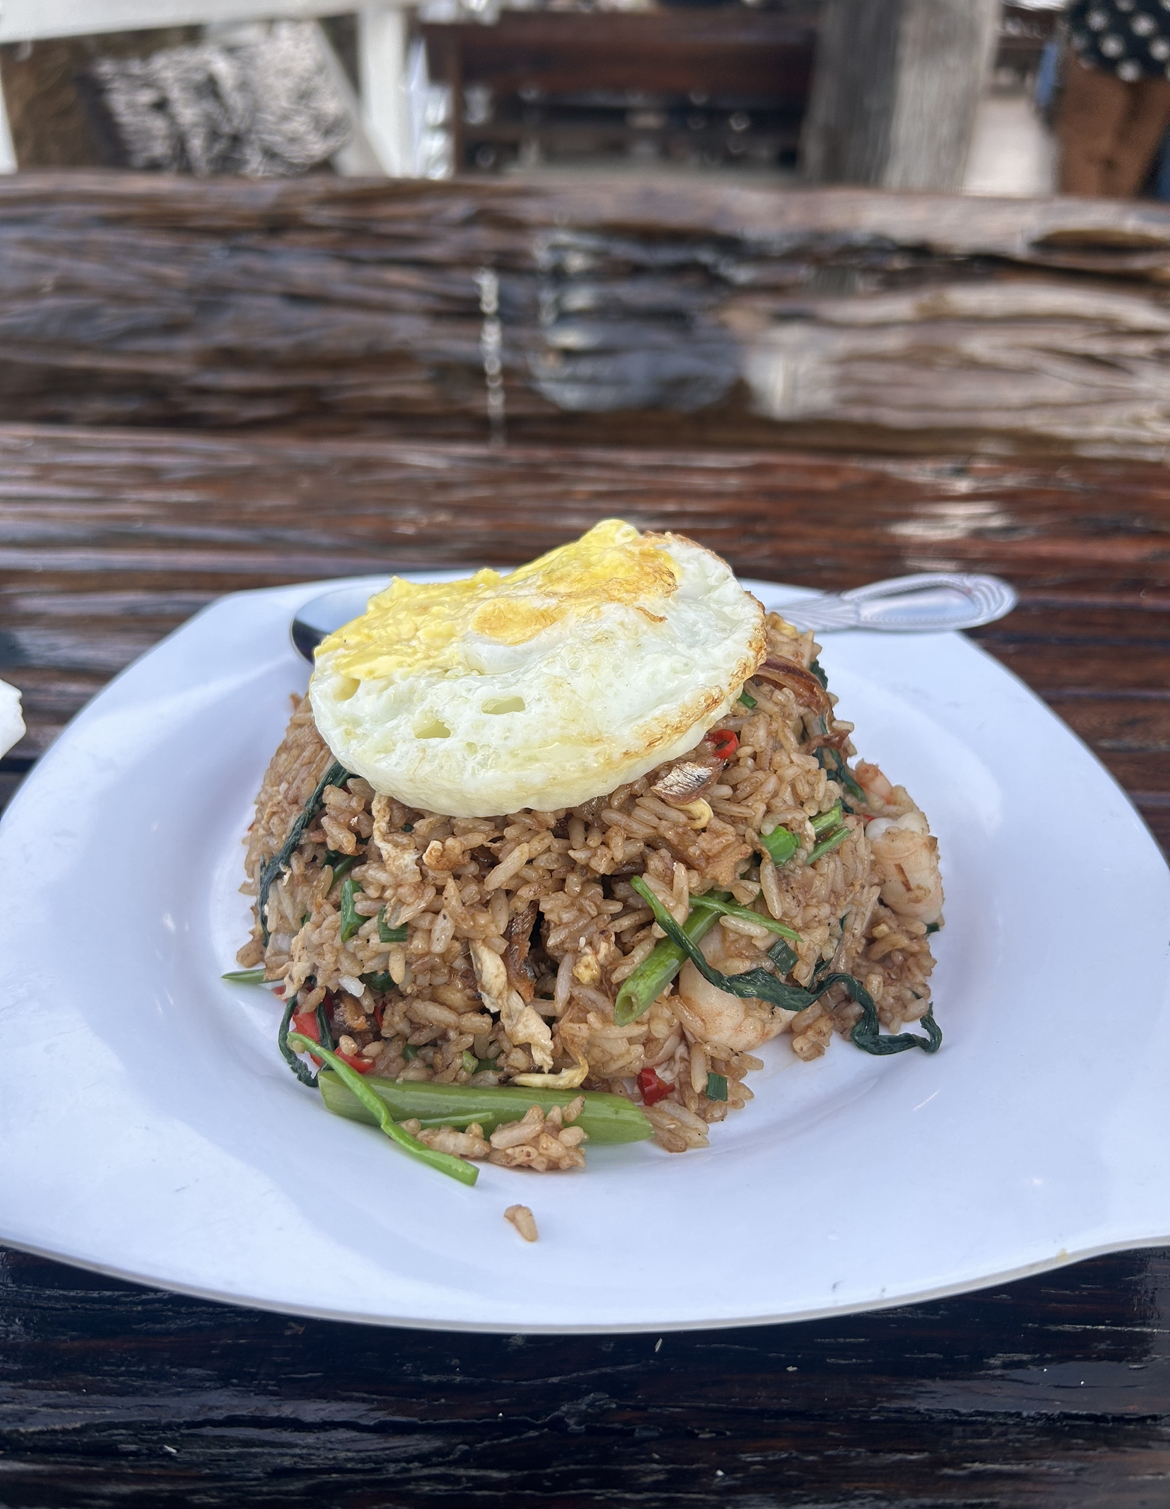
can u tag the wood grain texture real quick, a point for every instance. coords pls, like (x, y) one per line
(896, 88)
(110, 539)
(1053, 1391)
(632, 313)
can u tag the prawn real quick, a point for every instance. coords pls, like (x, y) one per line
(738, 1024)
(906, 855)
(882, 799)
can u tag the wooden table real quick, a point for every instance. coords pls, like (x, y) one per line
(1052, 1391)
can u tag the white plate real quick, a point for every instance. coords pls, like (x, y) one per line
(151, 1130)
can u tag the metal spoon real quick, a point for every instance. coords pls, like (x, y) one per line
(929, 603)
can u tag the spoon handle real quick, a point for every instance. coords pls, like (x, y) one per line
(927, 603)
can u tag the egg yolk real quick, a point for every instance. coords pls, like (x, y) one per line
(424, 624)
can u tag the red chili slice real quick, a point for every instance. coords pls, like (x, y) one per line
(355, 1061)
(653, 1089)
(724, 742)
(305, 1022)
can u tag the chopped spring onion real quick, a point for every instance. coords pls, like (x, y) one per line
(748, 700)
(818, 671)
(605, 1117)
(781, 845)
(244, 976)
(379, 979)
(390, 934)
(341, 865)
(470, 1062)
(759, 982)
(838, 837)
(351, 918)
(336, 775)
(445, 1163)
(726, 907)
(931, 927)
(716, 1086)
(654, 974)
(409, 1052)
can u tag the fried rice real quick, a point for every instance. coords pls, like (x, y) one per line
(490, 951)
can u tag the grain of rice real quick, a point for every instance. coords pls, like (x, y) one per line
(523, 1220)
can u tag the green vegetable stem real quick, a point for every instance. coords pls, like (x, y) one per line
(825, 822)
(654, 974)
(764, 985)
(725, 906)
(835, 838)
(390, 934)
(606, 1118)
(351, 918)
(445, 1163)
(656, 971)
(781, 845)
(340, 864)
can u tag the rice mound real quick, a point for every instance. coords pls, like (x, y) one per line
(537, 909)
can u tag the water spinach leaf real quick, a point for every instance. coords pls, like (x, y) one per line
(271, 871)
(299, 1068)
(766, 987)
(445, 1163)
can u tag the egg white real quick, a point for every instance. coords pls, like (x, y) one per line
(600, 696)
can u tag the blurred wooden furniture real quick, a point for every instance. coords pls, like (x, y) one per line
(676, 82)
(258, 383)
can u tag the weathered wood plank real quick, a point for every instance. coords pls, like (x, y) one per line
(895, 91)
(635, 315)
(982, 1400)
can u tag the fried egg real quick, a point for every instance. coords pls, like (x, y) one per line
(544, 687)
